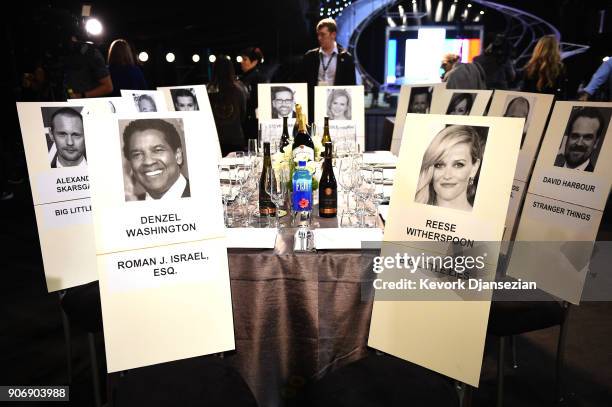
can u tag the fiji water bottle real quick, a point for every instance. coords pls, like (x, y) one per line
(302, 193)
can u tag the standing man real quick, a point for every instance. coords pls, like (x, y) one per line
(67, 134)
(85, 72)
(155, 154)
(584, 135)
(330, 64)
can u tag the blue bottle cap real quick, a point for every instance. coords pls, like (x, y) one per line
(301, 163)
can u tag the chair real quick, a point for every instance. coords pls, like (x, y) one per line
(509, 318)
(80, 306)
(202, 381)
(382, 381)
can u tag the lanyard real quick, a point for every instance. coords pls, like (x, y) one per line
(328, 61)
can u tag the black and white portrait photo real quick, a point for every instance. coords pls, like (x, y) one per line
(420, 99)
(184, 99)
(461, 103)
(154, 159)
(145, 102)
(283, 102)
(519, 106)
(64, 136)
(451, 167)
(583, 138)
(339, 104)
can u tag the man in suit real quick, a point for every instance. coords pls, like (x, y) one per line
(68, 137)
(153, 149)
(584, 135)
(329, 64)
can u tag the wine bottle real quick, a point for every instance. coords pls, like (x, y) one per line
(303, 147)
(266, 207)
(328, 188)
(326, 137)
(284, 141)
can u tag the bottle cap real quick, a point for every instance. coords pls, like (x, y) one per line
(301, 163)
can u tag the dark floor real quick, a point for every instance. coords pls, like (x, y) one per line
(32, 346)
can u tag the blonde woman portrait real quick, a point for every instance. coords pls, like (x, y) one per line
(338, 104)
(449, 172)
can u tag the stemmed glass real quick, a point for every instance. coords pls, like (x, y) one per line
(363, 191)
(252, 150)
(228, 186)
(347, 182)
(276, 186)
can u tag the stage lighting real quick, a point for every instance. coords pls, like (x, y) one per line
(428, 7)
(212, 59)
(93, 26)
(195, 58)
(401, 10)
(143, 56)
(451, 12)
(438, 17)
(469, 5)
(391, 22)
(605, 59)
(414, 6)
(481, 12)
(170, 57)
(239, 59)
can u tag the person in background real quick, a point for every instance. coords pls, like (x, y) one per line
(458, 75)
(85, 72)
(545, 73)
(496, 61)
(228, 103)
(602, 76)
(124, 72)
(330, 64)
(251, 76)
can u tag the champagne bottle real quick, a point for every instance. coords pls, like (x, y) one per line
(284, 141)
(326, 137)
(328, 188)
(266, 207)
(303, 147)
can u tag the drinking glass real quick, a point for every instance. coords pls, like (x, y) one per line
(252, 149)
(346, 178)
(276, 187)
(228, 188)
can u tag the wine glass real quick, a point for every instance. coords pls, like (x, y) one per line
(276, 186)
(228, 184)
(346, 178)
(252, 149)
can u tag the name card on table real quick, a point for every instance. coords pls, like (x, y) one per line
(144, 101)
(566, 198)
(342, 104)
(461, 102)
(54, 142)
(534, 108)
(160, 239)
(277, 100)
(272, 130)
(412, 99)
(449, 205)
